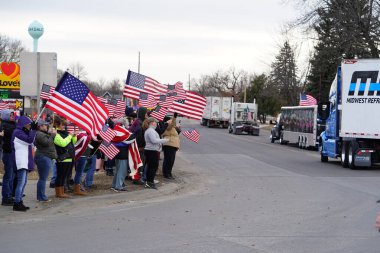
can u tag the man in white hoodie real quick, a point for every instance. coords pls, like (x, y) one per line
(153, 145)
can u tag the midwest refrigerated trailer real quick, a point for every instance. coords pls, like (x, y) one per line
(217, 112)
(353, 126)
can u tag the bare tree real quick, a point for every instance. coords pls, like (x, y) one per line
(10, 49)
(78, 70)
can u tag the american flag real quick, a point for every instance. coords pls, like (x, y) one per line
(122, 134)
(178, 90)
(159, 113)
(307, 100)
(192, 135)
(137, 83)
(147, 100)
(80, 146)
(107, 133)
(164, 101)
(109, 149)
(134, 160)
(71, 128)
(111, 106)
(46, 91)
(191, 107)
(102, 99)
(3, 105)
(120, 109)
(74, 101)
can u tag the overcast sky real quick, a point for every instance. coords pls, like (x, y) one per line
(175, 38)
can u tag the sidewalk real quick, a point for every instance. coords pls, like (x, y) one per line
(102, 196)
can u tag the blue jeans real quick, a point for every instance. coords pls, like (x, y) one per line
(120, 174)
(90, 173)
(54, 173)
(44, 164)
(79, 167)
(22, 178)
(7, 188)
(145, 169)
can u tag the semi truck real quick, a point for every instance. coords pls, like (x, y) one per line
(353, 125)
(243, 119)
(217, 112)
(299, 124)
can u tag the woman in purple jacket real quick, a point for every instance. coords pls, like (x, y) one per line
(22, 141)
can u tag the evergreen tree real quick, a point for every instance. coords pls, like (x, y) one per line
(284, 76)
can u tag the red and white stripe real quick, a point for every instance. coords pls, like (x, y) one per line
(107, 133)
(80, 146)
(192, 135)
(120, 109)
(134, 160)
(159, 113)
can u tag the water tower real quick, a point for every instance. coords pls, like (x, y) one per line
(35, 30)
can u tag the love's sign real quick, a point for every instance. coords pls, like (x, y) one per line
(10, 75)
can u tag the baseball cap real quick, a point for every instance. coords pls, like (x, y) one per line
(151, 119)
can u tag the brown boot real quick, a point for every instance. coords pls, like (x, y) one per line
(62, 193)
(57, 192)
(77, 190)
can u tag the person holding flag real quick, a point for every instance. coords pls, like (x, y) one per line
(64, 144)
(170, 148)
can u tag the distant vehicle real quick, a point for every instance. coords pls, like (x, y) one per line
(300, 125)
(243, 119)
(353, 125)
(217, 112)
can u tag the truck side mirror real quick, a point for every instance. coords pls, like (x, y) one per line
(323, 110)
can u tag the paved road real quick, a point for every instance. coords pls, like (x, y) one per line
(246, 195)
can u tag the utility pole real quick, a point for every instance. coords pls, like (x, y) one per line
(189, 82)
(138, 67)
(245, 91)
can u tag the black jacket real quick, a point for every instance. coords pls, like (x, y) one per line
(8, 127)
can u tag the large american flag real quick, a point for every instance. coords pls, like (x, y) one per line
(46, 91)
(74, 101)
(80, 146)
(147, 100)
(191, 107)
(137, 83)
(122, 134)
(192, 135)
(109, 149)
(159, 113)
(307, 100)
(107, 133)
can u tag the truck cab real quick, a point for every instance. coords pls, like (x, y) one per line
(243, 119)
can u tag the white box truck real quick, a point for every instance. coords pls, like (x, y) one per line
(353, 125)
(217, 112)
(243, 119)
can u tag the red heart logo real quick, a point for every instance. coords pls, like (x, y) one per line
(8, 68)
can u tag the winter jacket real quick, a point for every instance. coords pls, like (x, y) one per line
(136, 127)
(45, 144)
(22, 142)
(8, 127)
(152, 140)
(64, 143)
(171, 134)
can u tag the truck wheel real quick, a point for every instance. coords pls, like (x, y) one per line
(344, 155)
(324, 158)
(271, 138)
(282, 142)
(351, 155)
(233, 130)
(208, 124)
(299, 142)
(304, 143)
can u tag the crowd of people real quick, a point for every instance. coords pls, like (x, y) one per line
(49, 146)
